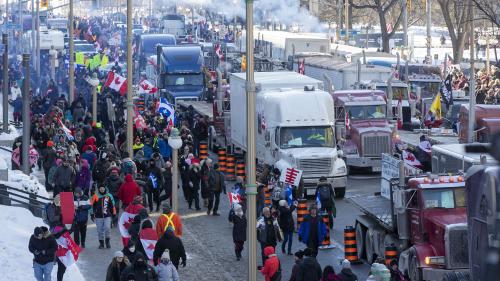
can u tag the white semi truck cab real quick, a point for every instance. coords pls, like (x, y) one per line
(295, 126)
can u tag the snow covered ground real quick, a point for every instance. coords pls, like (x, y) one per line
(16, 262)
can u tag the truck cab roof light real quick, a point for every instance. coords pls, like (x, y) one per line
(460, 178)
(442, 179)
(426, 180)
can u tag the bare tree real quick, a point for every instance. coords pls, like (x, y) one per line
(383, 9)
(456, 18)
(489, 10)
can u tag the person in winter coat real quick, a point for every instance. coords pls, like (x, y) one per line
(272, 265)
(194, 184)
(18, 110)
(83, 177)
(326, 194)
(205, 169)
(167, 182)
(168, 219)
(155, 182)
(78, 112)
(100, 171)
(174, 245)
(82, 207)
(312, 230)
(237, 217)
(268, 233)
(297, 265)
(135, 227)
(286, 223)
(165, 149)
(346, 273)
(329, 274)
(140, 269)
(52, 213)
(117, 266)
(103, 208)
(90, 156)
(43, 246)
(113, 183)
(396, 274)
(49, 157)
(239, 189)
(310, 270)
(64, 177)
(129, 250)
(128, 191)
(145, 224)
(216, 186)
(128, 165)
(166, 269)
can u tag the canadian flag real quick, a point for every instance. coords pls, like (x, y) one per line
(67, 250)
(411, 160)
(234, 198)
(124, 223)
(291, 176)
(347, 124)
(218, 52)
(302, 67)
(148, 238)
(116, 82)
(147, 87)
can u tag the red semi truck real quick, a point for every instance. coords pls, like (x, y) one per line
(486, 125)
(424, 217)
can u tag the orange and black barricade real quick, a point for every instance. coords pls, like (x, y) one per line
(203, 150)
(230, 167)
(301, 211)
(391, 253)
(221, 159)
(350, 247)
(240, 169)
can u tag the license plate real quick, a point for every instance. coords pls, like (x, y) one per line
(310, 191)
(376, 169)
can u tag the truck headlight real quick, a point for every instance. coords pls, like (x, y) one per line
(437, 260)
(341, 170)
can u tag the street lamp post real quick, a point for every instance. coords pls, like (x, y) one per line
(175, 141)
(130, 105)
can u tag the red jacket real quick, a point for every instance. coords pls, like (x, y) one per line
(272, 263)
(128, 190)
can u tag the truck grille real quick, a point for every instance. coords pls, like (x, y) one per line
(457, 249)
(315, 166)
(376, 145)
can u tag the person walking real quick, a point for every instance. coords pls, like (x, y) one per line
(117, 266)
(64, 177)
(82, 207)
(49, 157)
(326, 195)
(51, 214)
(268, 233)
(346, 273)
(329, 274)
(312, 230)
(140, 269)
(272, 267)
(310, 270)
(216, 185)
(113, 182)
(128, 191)
(237, 217)
(43, 246)
(299, 255)
(175, 247)
(155, 182)
(287, 225)
(165, 269)
(102, 210)
(168, 219)
(194, 184)
(129, 250)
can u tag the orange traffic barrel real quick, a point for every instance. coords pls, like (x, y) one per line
(221, 159)
(350, 247)
(325, 244)
(267, 196)
(240, 169)
(203, 150)
(230, 167)
(301, 211)
(391, 253)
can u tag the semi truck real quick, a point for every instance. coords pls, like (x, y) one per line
(361, 127)
(180, 72)
(487, 122)
(452, 158)
(423, 216)
(147, 46)
(295, 126)
(174, 24)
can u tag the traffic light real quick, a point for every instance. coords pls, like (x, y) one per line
(44, 3)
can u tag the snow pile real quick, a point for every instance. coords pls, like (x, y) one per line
(14, 133)
(16, 262)
(19, 180)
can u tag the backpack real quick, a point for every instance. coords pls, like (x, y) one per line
(277, 275)
(324, 193)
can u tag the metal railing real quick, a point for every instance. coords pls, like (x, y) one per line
(22, 198)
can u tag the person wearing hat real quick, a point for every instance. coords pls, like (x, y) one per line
(117, 266)
(113, 182)
(346, 273)
(64, 177)
(396, 274)
(287, 225)
(169, 241)
(128, 191)
(237, 217)
(326, 195)
(154, 184)
(216, 185)
(49, 157)
(310, 269)
(312, 231)
(52, 212)
(299, 255)
(82, 207)
(168, 219)
(166, 269)
(140, 269)
(103, 208)
(43, 246)
(194, 184)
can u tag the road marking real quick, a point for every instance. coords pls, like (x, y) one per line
(194, 215)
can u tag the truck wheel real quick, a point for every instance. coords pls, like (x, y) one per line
(414, 273)
(360, 240)
(370, 253)
(340, 192)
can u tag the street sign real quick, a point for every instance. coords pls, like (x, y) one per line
(390, 172)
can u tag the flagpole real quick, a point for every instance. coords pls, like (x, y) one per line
(130, 130)
(472, 79)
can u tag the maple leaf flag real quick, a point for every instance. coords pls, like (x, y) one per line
(67, 250)
(124, 222)
(116, 82)
(234, 198)
(147, 87)
(148, 238)
(218, 52)
(291, 176)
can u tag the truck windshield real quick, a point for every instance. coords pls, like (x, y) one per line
(428, 88)
(184, 79)
(359, 112)
(293, 137)
(397, 92)
(444, 198)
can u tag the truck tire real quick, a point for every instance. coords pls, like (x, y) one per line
(360, 240)
(340, 192)
(414, 272)
(370, 251)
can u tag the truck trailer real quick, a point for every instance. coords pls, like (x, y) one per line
(295, 126)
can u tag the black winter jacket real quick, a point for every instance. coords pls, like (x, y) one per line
(43, 249)
(174, 245)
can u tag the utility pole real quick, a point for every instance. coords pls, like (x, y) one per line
(5, 82)
(339, 19)
(26, 115)
(472, 79)
(251, 187)
(38, 43)
(130, 131)
(428, 4)
(405, 29)
(33, 29)
(20, 22)
(346, 15)
(71, 54)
